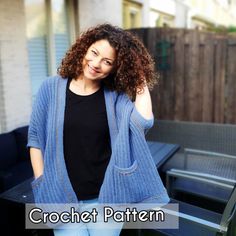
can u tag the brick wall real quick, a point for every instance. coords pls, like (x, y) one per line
(15, 91)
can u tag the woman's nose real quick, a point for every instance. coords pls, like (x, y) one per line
(96, 63)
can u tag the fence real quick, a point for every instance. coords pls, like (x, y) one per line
(197, 74)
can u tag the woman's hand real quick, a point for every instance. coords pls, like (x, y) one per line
(36, 161)
(143, 103)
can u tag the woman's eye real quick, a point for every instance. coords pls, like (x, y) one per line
(93, 52)
(108, 63)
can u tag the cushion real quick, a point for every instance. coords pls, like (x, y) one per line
(8, 150)
(21, 135)
(15, 175)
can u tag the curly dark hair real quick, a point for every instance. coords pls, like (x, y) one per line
(134, 65)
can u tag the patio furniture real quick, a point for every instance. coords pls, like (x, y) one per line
(211, 137)
(162, 152)
(15, 166)
(196, 221)
(208, 151)
(197, 184)
(216, 172)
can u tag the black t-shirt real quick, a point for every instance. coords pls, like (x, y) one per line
(86, 137)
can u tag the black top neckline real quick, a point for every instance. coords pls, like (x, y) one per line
(82, 96)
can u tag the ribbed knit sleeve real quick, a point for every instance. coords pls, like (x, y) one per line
(38, 116)
(136, 118)
(141, 122)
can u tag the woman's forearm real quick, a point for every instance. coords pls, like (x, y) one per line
(36, 161)
(143, 103)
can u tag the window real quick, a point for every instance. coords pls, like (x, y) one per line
(60, 29)
(132, 13)
(133, 19)
(36, 41)
(49, 37)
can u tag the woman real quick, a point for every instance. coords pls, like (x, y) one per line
(88, 125)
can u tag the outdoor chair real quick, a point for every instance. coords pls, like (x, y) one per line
(206, 174)
(211, 137)
(197, 221)
(207, 151)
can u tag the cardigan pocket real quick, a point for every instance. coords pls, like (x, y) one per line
(35, 185)
(129, 184)
(128, 170)
(36, 182)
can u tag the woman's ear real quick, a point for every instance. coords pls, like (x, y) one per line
(114, 69)
(113, 72)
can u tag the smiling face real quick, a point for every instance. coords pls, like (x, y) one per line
(99, 60)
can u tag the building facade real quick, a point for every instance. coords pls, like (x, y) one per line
(34, 37)
(199, 14)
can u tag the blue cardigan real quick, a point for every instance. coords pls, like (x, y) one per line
(131, 175)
